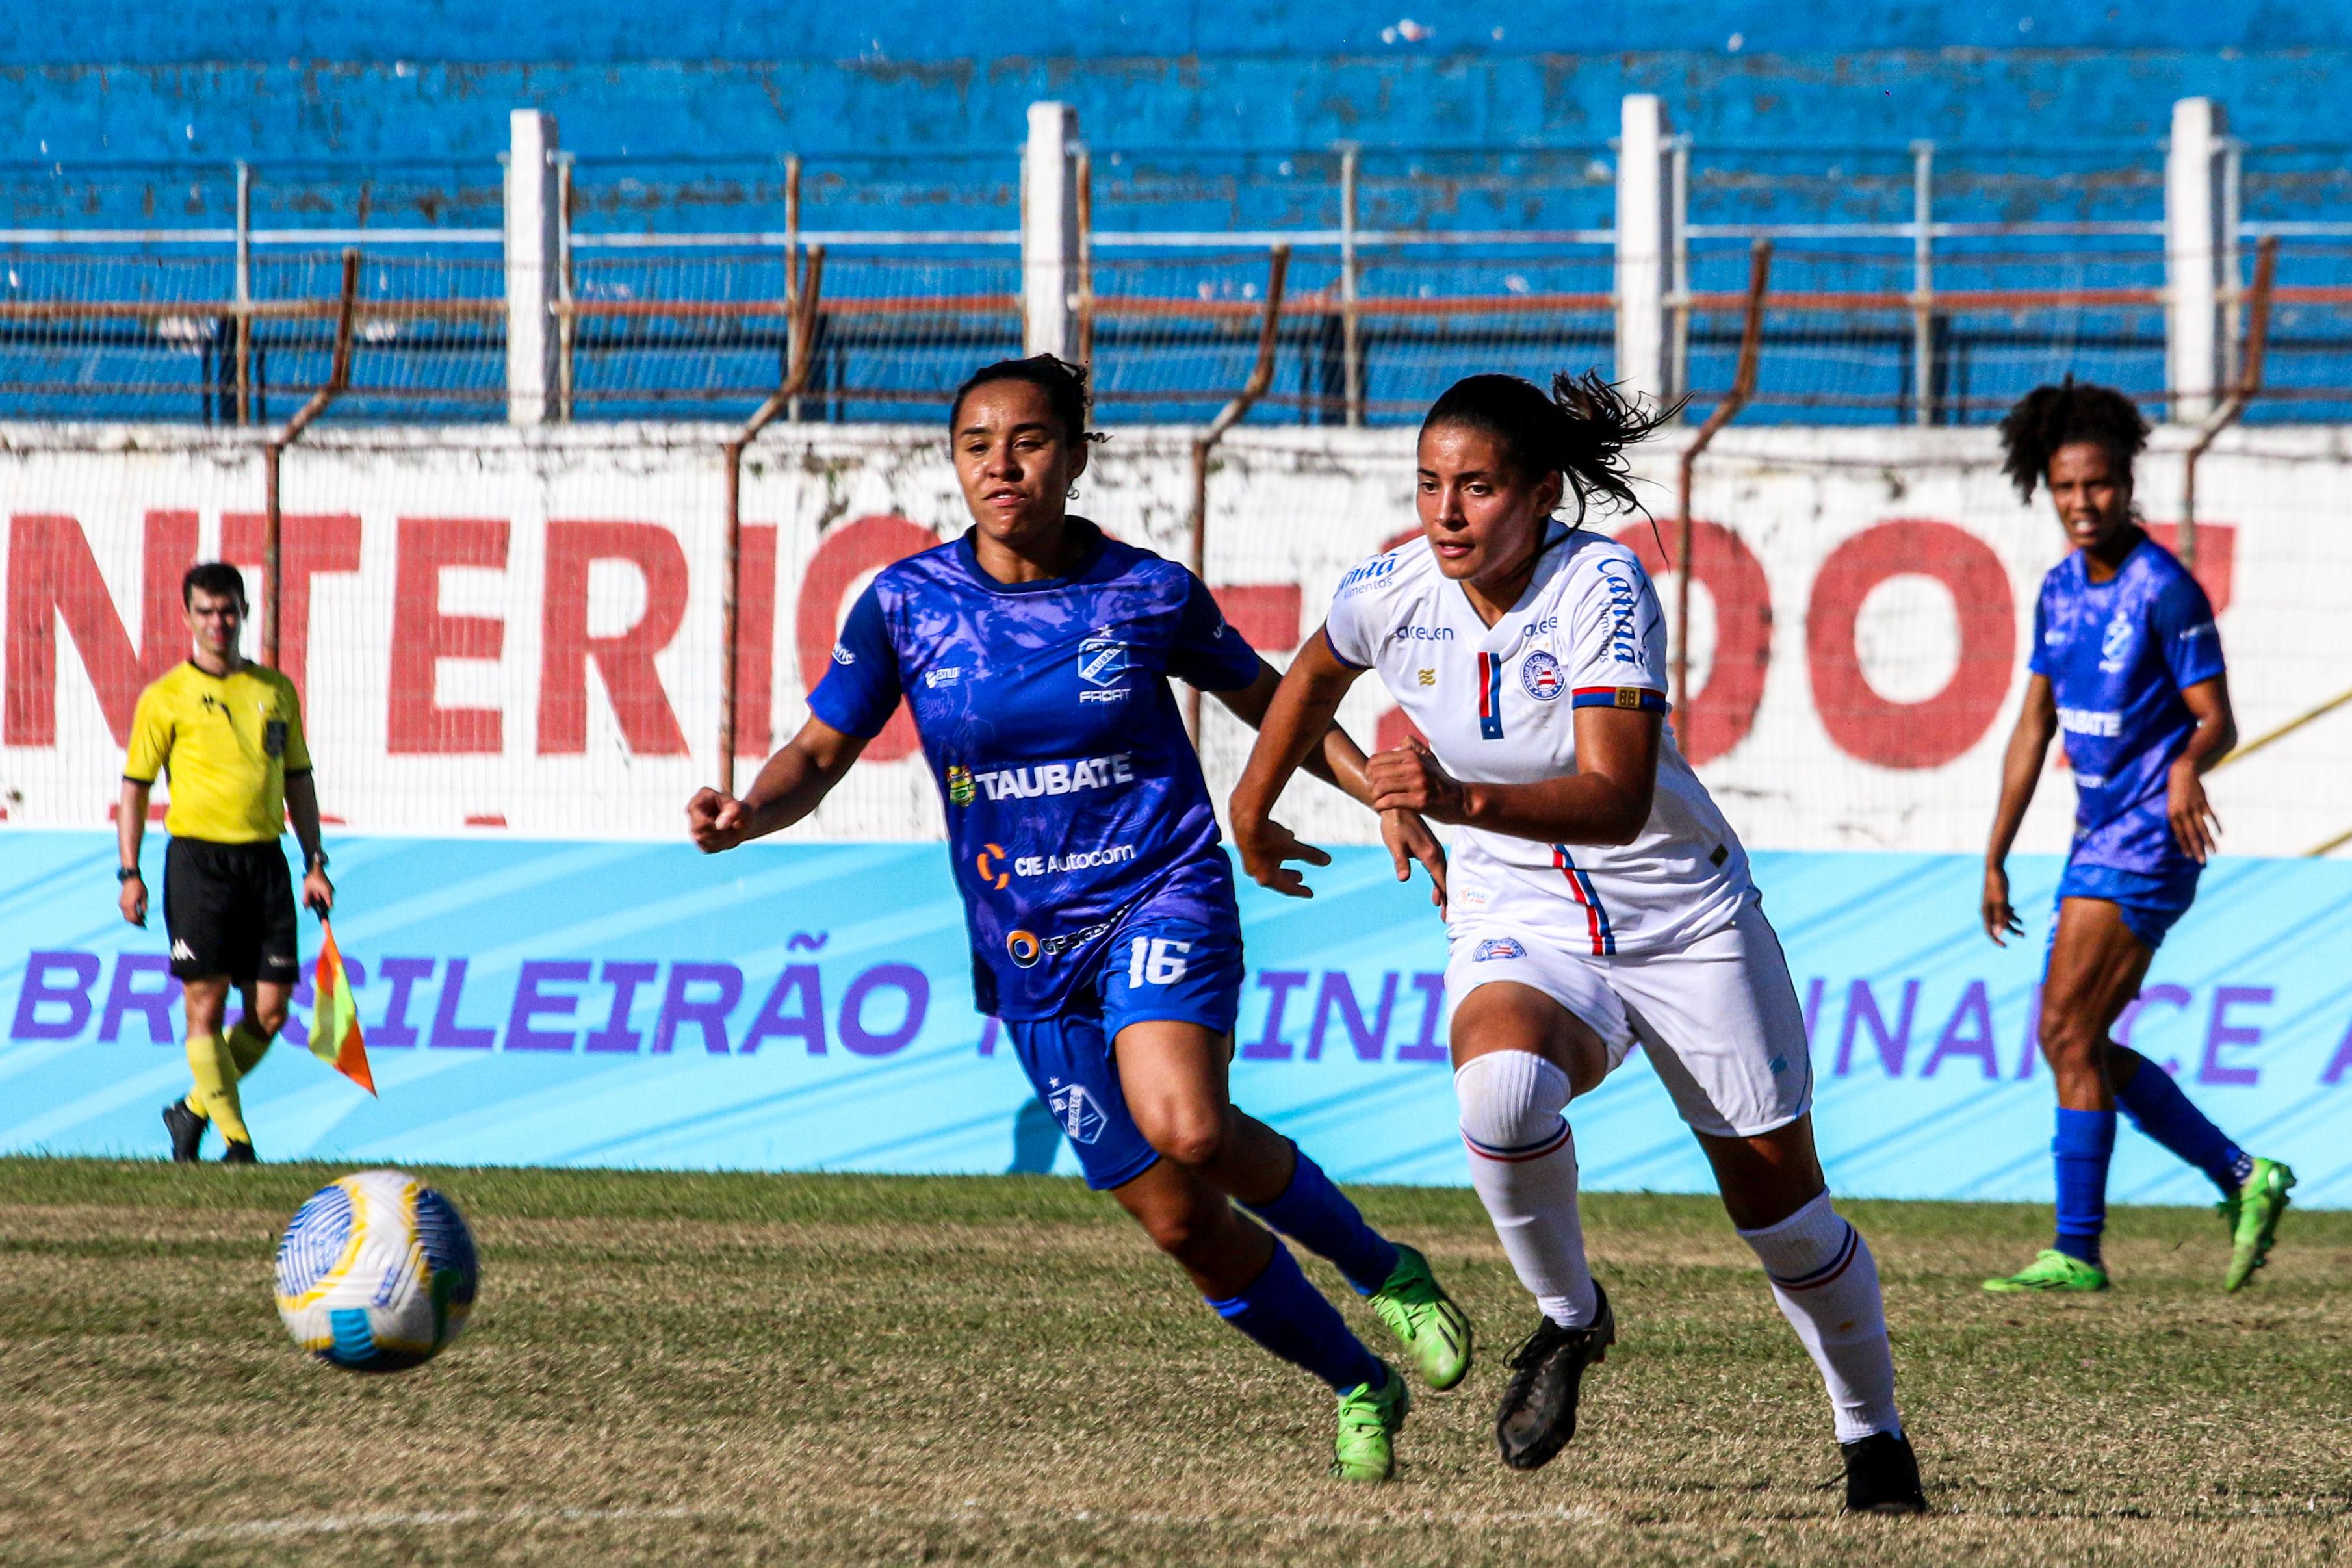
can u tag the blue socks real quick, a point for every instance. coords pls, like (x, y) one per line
(1289, 1317)
(2086, 1142)
(1318, 1216)
(2159, 1108)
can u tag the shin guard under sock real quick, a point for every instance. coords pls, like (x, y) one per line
(1319, 1218)
(1288, 1317)
(1826, 1283)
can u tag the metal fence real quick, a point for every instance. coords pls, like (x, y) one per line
(1905, 286)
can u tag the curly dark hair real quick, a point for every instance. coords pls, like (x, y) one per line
(1580, 432)
(1064, 384)
(2048, 418)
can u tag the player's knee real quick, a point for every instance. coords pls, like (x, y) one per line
(1509, 1099)
(2068, 1037)
(268, 1019)
(1195, 1137)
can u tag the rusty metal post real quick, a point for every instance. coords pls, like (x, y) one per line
(1352, 330)
(2249, 383)
(1261, 376)
(1743, 387)
(1084, 172)
(339, 376)
(565, 321)
(244, 292)
(730, 582)
(791, 272)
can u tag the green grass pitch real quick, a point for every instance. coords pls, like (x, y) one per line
(725, 1369)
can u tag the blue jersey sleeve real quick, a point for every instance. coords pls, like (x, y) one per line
(860, 689)
(1208, 653)
(2182, 623)
(2040, 660)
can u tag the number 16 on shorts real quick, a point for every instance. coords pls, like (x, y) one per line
(1155, 961)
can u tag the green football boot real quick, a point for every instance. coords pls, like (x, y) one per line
(1432, 1329)
(1369, 1418)
(2253, 1216)
(2050, 1270)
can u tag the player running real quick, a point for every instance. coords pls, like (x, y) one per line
(230, 731)
(1597, 897)
(1034, 653)
(2126, 662)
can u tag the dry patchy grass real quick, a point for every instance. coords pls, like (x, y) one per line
(830, 1369)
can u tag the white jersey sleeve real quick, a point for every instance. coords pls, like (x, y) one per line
(1616, 632)
(1358, 623)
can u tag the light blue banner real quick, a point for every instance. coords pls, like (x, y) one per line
(804, 1008)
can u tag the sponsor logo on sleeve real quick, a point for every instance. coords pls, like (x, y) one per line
(842, 656)
(1363, 577)
(1539, 674)
(1495, 947)
(1622, 599)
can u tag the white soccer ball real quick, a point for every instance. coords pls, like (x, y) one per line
(376, 1273)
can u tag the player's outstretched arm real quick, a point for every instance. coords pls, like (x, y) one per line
(2020, 770)
(794, 781)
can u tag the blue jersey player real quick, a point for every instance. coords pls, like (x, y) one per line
(1036, 655)
(2128, 665)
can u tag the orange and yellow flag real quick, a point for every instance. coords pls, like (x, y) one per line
(335, 1017)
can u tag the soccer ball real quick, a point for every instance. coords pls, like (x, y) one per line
(376, 1273)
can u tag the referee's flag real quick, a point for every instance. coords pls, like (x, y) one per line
(335, 1021)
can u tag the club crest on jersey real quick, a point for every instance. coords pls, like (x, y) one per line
(1102, 659)
(1539, 674)
(2115, 648)
(1076, 1112)
(1498, 947)
(960, 790)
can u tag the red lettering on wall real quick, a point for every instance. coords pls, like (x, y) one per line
(2217, 557)
(1722, 709)
(624, 661)
(755, 642)
(848, 553)
(1922, 733)
(422, 635)
(52, 577)
(1264, 614)
(307, 545)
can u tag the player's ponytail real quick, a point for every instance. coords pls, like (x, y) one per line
(1581, 432)
(2048, 418)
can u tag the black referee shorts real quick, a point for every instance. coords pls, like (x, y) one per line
(229, 910)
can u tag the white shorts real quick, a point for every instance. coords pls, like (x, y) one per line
(1718, 1016)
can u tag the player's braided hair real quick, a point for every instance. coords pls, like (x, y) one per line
(2048, 418)
(1580, 432)
(1064, 384)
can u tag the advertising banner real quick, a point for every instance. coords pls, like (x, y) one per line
(808, 1007)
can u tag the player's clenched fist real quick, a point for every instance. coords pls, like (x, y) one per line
(715, 821)
(1408, 779)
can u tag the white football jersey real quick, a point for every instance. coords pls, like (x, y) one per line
(1497, 704)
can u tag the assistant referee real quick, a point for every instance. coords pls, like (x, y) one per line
(230, 733)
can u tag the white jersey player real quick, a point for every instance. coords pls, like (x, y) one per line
(1595, 897)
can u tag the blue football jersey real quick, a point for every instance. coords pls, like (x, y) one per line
(2118, 654)
(1073, 793)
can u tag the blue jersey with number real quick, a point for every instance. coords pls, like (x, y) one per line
(1073, 794)
(2118, 654)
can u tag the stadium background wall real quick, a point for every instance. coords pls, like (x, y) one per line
(510, 646)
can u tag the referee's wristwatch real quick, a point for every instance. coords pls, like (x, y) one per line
(318, 861)
(129, 874)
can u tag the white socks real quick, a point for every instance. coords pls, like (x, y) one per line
(1523, 1163)
(1827, 1284)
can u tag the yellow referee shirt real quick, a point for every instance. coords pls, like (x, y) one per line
(229, 742)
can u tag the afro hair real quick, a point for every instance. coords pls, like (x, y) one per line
(2048, 418)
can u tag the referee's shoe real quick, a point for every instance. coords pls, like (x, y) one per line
(187, 1130)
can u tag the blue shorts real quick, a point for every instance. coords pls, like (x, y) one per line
(1154, 968)
(2151, 902)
